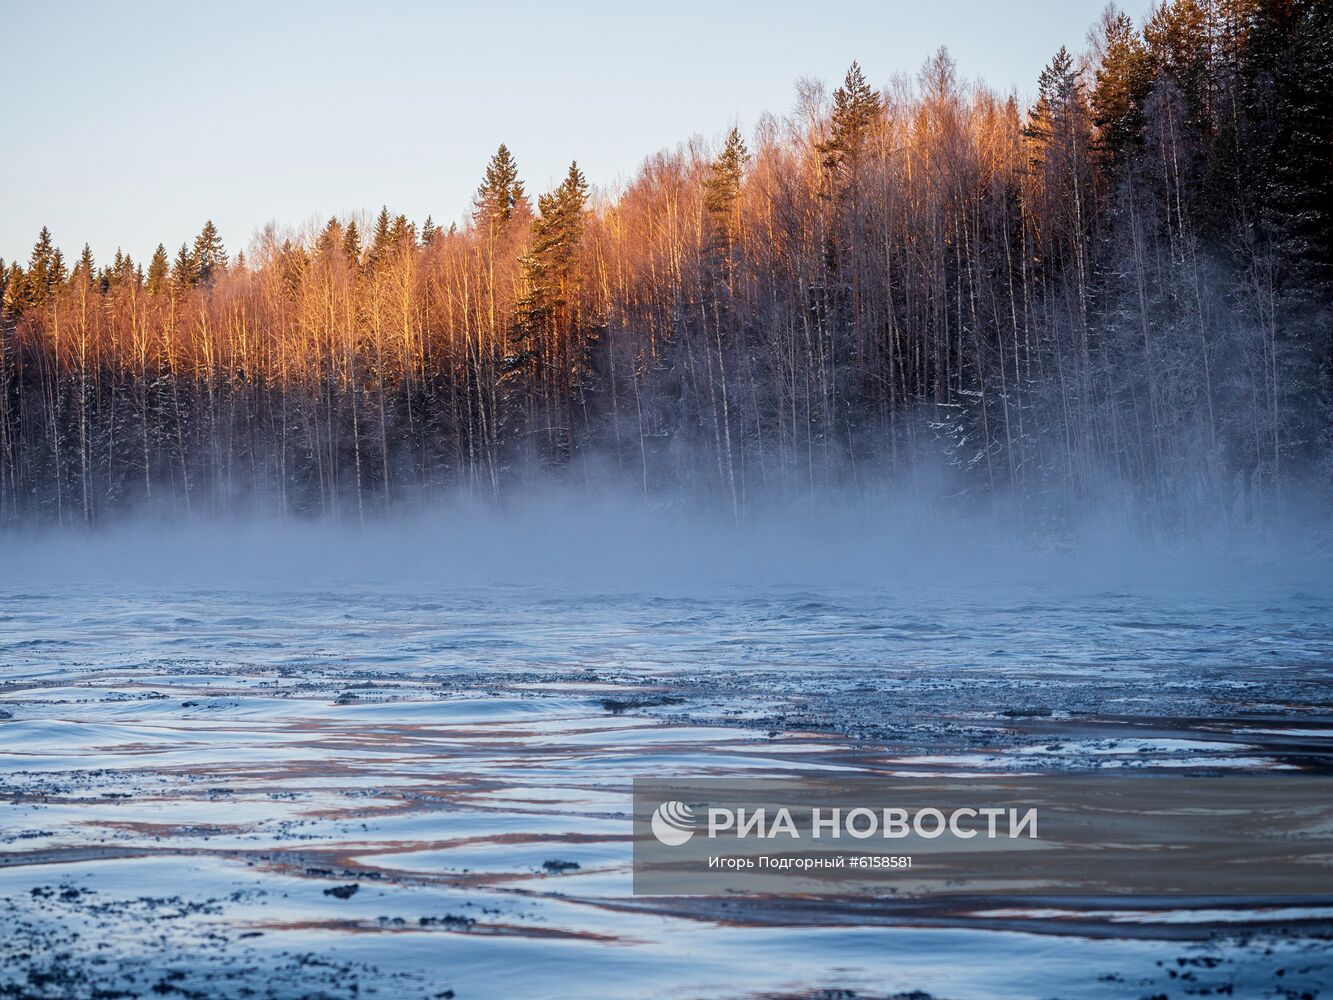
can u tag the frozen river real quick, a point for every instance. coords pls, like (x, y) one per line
(406, 788)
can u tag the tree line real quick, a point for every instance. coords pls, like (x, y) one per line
(1121, 290)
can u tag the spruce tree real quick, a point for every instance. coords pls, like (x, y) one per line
(555, 237)
(85, 270)
(500, 193)
(1123, 81)
(120, 272)
(330, 238)
(210, 259)
(1180, 44)
(157, 271)
(13, 290)
(1057, 121)
(1289, 79)
(382, 240)
(352, 244)
(183, 272)
(401, 232)
(551, 353)
(41, 276)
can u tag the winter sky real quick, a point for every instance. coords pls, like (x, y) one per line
(126, 125)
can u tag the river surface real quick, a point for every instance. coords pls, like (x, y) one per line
(407, 788)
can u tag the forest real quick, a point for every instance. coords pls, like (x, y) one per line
(1116, 293)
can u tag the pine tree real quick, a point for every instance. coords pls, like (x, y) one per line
(856, 111)
(157, 271)
(723, 185)
(428, 232)
(722, 190)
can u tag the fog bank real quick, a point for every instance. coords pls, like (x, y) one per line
(562, 538)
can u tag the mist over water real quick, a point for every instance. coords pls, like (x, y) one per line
(398, 756)
(562, 536)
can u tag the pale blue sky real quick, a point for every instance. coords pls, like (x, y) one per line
(130, 124)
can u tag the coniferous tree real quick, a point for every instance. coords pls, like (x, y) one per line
(13, 292)
(500, 193)
(1179, 40)
(43, 274)
(121, 272)
(183, 271)
(556, 234)
(552, 350)
(382, 239)
(158, 270)
(85, 270)
(1123, 81)
(1289, 76)
(856, 110)
(722, 191)
(330, 238)
(210, 259)
(352, 244)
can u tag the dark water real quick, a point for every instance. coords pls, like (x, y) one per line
(190, 771)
